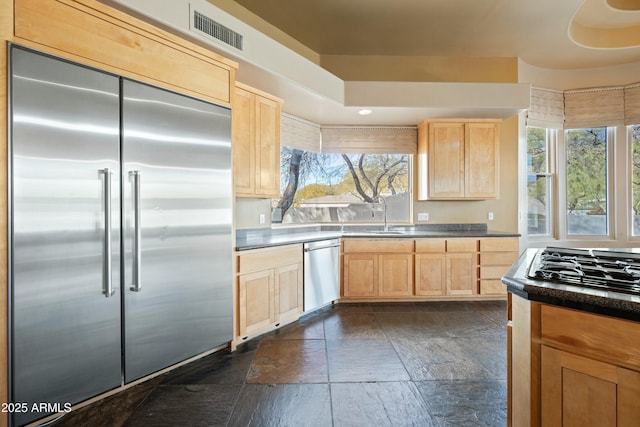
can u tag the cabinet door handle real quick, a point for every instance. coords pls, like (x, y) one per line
(107, 284)
(135, 271)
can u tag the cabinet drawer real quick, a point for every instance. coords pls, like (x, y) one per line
(378, 246)
(462, 245)
(431, 245)
(498, 258)
(605, 337)
(263, 259)
(499, 244)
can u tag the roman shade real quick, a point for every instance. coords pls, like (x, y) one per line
(299, 133)
(370, 139)
(632, 104)
(547, 109)
(594, 107)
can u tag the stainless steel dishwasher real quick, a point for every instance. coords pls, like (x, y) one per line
(321, 273)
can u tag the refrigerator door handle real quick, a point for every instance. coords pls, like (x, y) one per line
(136, 285)
(107, 285)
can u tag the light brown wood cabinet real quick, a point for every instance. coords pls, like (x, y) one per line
(421, 268)
(571, 368)
(446, 267)
(458, 159)
(269, 289)
(497, 254)
(377, 268)
(256, 143)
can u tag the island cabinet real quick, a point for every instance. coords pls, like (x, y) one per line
(269, 289)
(569, 367)
(256, 143)
(377, 268)
(496, 255)
(458, 159)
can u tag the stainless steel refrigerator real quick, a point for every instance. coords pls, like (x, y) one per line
(120, 230)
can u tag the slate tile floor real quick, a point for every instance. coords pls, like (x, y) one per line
(387, 364)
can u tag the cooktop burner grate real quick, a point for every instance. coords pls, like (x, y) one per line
(599, 269)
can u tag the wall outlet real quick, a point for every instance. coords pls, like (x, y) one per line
(490, 216)
(263, 218)
(423, 216)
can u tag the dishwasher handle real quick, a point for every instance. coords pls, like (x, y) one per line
(321, 247)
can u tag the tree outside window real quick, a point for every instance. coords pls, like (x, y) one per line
(587, 181)
(322, 187)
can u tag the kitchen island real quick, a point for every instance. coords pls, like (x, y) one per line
(573, 352)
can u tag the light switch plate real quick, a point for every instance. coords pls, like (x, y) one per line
(423, 216)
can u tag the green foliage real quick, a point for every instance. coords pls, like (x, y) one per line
(587, 170)
(312, 191)
(635, 158)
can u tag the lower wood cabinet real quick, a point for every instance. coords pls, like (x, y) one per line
(497, 254)
(446, 267)
(269, 289)
(580, 391)
(425, 267)
(377, 268)
(568, 367)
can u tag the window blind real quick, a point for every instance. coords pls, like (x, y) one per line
(370, 139)
(299, 133)
(547, 109)
(594, 107)
(632, 104)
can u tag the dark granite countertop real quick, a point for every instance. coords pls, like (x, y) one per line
(587, 299)
(267, 237)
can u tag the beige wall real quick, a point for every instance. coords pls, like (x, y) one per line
(505, 209)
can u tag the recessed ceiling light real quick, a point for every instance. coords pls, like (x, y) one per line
(365, 112)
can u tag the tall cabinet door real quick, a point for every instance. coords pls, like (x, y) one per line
(177, 200)
(64, 232)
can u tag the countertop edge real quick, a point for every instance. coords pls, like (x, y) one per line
(590, 300)
(293, 238)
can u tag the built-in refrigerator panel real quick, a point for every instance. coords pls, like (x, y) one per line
(64, 232)
(177, 201)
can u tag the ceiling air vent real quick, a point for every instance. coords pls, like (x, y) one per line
(216, 30)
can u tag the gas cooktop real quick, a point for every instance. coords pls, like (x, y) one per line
(600, 269)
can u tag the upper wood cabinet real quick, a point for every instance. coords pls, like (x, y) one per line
(256, 143)
(458, 159)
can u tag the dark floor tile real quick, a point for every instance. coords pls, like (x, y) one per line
(498, 305)
(418, 324)
(353, 307)
(437, 306)
(464, 323)
(193, 405)
(466, 403)
(394, 404)
(364, 360)
(111, 411)
(352, 325)
(283, 405)
(223, 367)
(393, 307)
(311, 328)
(289, 361)
(488, 351)
(439, 359)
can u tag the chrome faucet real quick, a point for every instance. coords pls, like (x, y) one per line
(384, 204)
